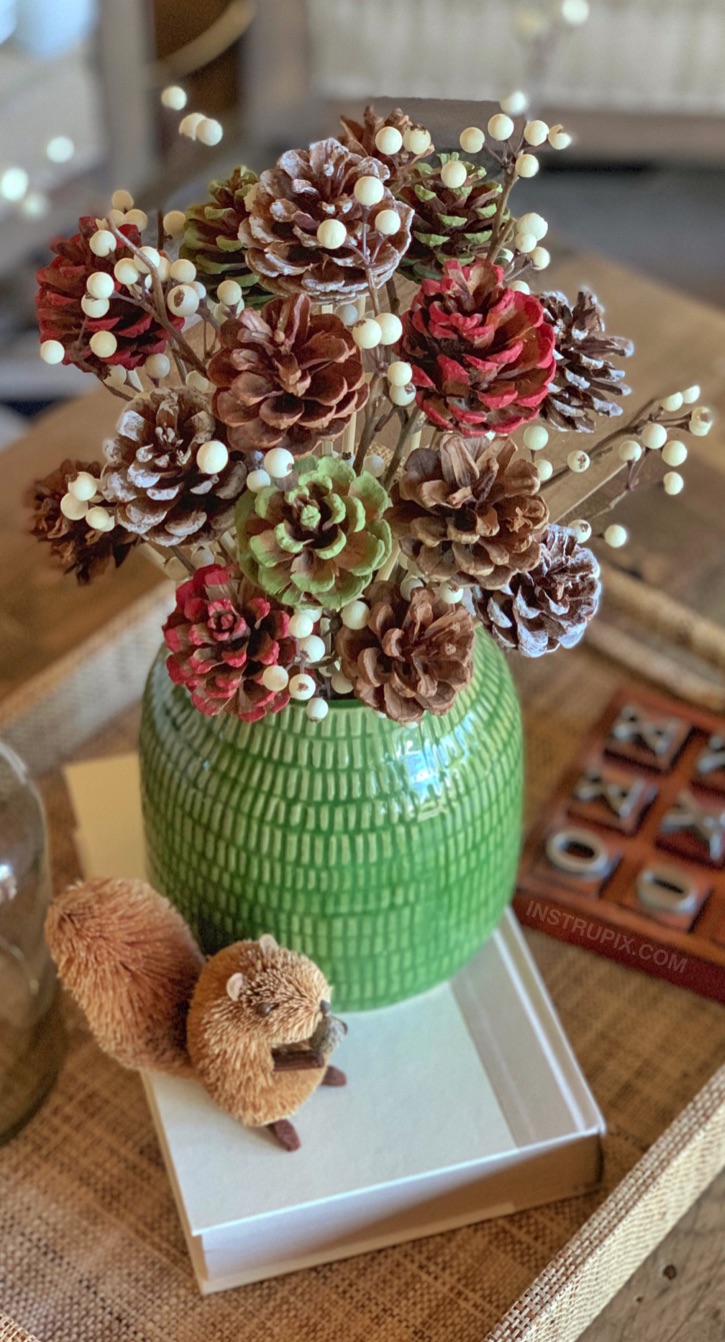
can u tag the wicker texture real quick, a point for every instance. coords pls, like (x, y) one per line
(92, 1248)
(324, 834)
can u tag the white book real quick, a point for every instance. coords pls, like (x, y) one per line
(461, 1104)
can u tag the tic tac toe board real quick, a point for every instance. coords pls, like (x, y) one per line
(628, 858)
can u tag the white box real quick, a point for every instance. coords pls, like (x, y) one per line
(461, 1104)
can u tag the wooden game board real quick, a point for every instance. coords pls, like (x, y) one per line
(628, 857)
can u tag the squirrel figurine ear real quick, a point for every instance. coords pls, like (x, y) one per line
(235, 984)
(267, 944)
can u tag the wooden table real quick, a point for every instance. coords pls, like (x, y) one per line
(679, 1293)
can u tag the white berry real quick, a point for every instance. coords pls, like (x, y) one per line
(454, 173)
(391, 328)
(541, 258)
(212, 457)
(173, 97)
(654, 436)
(700, 421)
(545, 469)
(313, 647)
(103, 344)
(629, 450)
(367, 333)
(400, 373)
(575, 12)
(520, 287)
(229, 293)
(302, 686)
(197, 381)
(257, 480)
(157, 366)
(674, 483)
(174, 222)
(578, 461)
(471, 140)
(348, 314)
(535, 132)
(582, 529)
(278, 462)
(515, 103)
(331, 233)
(317, 710)
(340, 683)
(190, 124)
(691, 394)
(450, 594)
(301, 624)
(146, 258)
(536, 436)
(533, 223)
(387, 222)
(416, 140)
(374, 464)
(369, 190)
(182, 300)
(73, 508)
(616, 536)
(209, 131)
(401, 395)
(673, 402)
(94, 307)
(183, 271)
(355, 615)
(527, 165)
(99, 519)
(83, 487)
(388, 140)
(100, 284)
(500, 126)
(102, 243)
(122, 200)
(125, 272)
(559, 138)
(674, 453)
(275, 678)
(138, 219)
(526, 242)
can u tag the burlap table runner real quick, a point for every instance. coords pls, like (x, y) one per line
(90, 1245)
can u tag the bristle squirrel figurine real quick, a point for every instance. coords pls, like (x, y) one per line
(253, 1023)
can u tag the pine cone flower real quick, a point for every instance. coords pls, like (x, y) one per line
(585, 379)
(551, 606)
(360, 137)
(448, 223)
(286, 377)
(77, 547)
(286, 208)
(482, 354)
(211, 236)
(152, 473)
(412, 657)
(221, 637)
(469, 512)
(62, 285)
(323, 536)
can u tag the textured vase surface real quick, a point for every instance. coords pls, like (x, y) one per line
(385, 852)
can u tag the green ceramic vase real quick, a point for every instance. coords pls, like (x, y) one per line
(387, 853)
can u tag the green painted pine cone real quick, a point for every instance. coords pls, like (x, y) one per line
(211, 236)
(322, 537)
(448, 223)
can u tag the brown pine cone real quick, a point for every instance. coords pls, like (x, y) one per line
(152, 473)
(211, 236)
(308, 187)
(551, 606)
(77, 547)
(412, 657)
(360, 137)
(586, 379)
(469, 512)
(286, 377)
(62, 286)
(448, 223)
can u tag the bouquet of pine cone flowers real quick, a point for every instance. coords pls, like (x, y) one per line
(349, 401)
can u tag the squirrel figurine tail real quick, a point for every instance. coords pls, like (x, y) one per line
(253, 1023)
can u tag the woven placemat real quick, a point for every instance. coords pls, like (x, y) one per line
(90, 1245)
